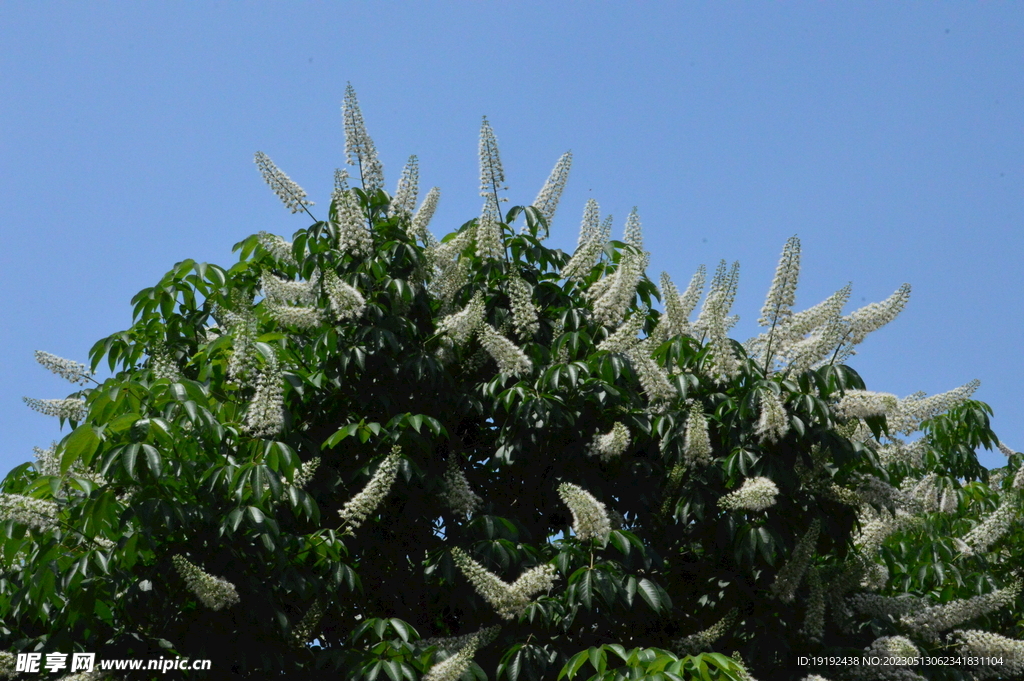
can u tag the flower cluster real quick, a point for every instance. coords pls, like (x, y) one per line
(76, 372)
(950, 501)
(773, 424)
(975, 643)
(625, 337)
(304, 630)
(353, 236)
(778, 305)
(509, 600)
(611, 444)
(697, 447)
(162, 363)
(453, 667)
(914, 409)
(346, 301)
(547, 200)
(922, 494)
(593, 237)
(653, 379)
(816, 349)
(242, 326)
(460, 326)
(787, 580)
(214, 592)
(510, 358)
(992, 528)
(865, 404)
(291, 194)
(995, 478)
(823, 327)
(404, 200)
(8, 663)
(489, 242)
(702, 640)
(47, 462)
(875, 576)
(814, 622)
(679, 307)
(720, 298)
(456, 643)
(892, 646)
(281, 290)
(884, 607)
(524, 312)
(492, 174)
(488, 238)
(418, 226)
(589, 516)
(451, 275)
(931, 621)
(898, 451)
(358, 146)
(613, 294)
(557, 331)
(860, 323)
(72, 409)
(361, 506)
(715, 321)
(1018, 478)
(876, 527)
(277, 247)
(295, 315)
(755, 494)
(29, 511)
(801, 340)
(306, 472)
(634, 234)
(459, 496)
(265, 415)
(340, 184)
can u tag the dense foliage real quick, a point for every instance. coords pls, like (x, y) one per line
(369, 452)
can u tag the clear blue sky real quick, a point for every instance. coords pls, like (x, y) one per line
(888, 136)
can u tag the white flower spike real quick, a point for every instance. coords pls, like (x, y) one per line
(291, 194)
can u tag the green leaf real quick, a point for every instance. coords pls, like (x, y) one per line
(234, 518)
(345, 431)
(101, 560)
(402, 628)
(129, 455)
(619, 541)
(630, 589)
(585, 588)
(152, 460)
(653, 595)
(123, 422)
(393, 670)
(79, 446)
(573, 665)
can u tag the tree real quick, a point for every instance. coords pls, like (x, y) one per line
(371, 452)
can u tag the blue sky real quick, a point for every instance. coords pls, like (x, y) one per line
(888, 136)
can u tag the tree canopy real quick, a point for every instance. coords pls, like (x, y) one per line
(369, 452)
